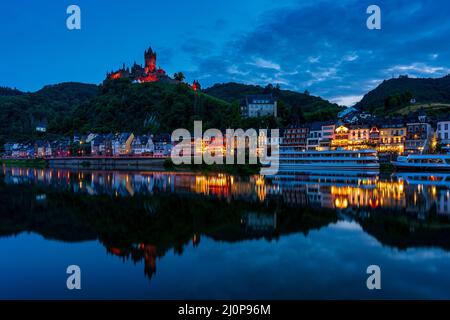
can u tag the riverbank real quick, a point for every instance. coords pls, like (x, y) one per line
(144, 164)
(34, 163)
(108, 163)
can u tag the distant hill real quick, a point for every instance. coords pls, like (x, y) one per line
(5, 91)
(20, 113)
(292, 105)
(395, 94)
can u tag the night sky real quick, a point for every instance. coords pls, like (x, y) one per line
(324, 47)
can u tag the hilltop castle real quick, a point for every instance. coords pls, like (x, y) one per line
(147, 73)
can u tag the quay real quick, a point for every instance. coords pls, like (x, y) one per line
(108, 163)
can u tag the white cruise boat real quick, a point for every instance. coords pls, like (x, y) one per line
(423, 162)
(294, 161)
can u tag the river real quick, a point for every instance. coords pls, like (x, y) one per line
(184, 235)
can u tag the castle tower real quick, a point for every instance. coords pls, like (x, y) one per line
(150, 60)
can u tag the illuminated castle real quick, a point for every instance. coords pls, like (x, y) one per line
(138, 73)
(147, 73)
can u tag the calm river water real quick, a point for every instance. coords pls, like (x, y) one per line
(171, 235)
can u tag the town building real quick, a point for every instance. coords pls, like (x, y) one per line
(296, 136)
(266, 142)
(142, 145)
(341, 137)
(42, 127)
(359, 137)
(355, 137)
(320, 135)
(121, 144)
(418, 137)
(314, 136)
(374, 136)
(19, 150)
(259, 106)
(102, 145)
(60, 148)
(443, 134)
(392, 138)
(163, 145)
(42, 149)
(8, 147)
(328, 130)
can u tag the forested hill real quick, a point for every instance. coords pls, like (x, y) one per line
(20, 113)
(299, 105)
(397, 93)
(120, 106)
(155, 107)
(5, 91)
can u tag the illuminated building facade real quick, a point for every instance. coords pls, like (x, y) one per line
(341, 137)
(359, 137)
(392, 138)
(418, 137)
(355, 137)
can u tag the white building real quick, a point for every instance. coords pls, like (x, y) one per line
(142, 145)
(320, 136)
(41, 127)
(315, 134)
(443, 132)
(259, 106)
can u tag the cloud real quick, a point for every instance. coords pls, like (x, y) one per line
(262, 63)
(233, 69)
(351, 57)
(313, 59)
(347, 101)
(416, 68)
(325, 47)
(434, 56)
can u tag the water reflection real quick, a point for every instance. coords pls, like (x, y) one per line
(415, 192)
(140, 216)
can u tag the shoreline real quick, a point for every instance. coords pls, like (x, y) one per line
(151, 164)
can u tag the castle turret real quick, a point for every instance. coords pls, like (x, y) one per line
(196, 86)
(150, 60)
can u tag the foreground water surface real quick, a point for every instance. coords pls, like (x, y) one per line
(167, 235)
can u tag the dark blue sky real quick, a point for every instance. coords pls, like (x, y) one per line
(322, 46)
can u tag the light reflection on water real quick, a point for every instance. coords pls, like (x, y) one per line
(414, 192)
(166, 221)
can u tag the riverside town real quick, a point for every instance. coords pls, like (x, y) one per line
(353, 129)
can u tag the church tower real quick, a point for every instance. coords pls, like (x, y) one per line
(150, 60)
